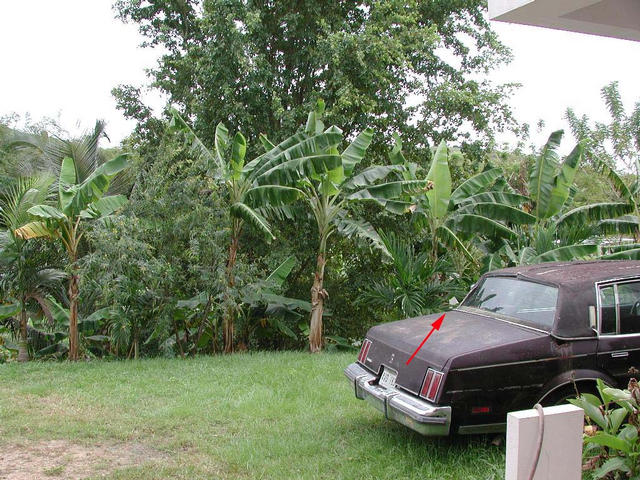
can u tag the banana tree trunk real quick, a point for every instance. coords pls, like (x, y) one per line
(73, 315)
(23, 352)
(318, 296)
(228, 320)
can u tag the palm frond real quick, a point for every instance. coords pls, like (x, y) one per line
(361, 229)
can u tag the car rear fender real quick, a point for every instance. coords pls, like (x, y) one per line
(573, 376)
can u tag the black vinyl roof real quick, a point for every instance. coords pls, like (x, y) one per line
(575, 282)
(574, 274)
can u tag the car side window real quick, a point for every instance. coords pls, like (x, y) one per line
(607, 310)
(629, 304)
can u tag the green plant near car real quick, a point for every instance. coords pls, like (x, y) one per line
(613, 450)
(418, 284)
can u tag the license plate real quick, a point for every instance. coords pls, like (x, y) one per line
(388, 378)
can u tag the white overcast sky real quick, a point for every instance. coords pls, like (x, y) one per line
(61, 58)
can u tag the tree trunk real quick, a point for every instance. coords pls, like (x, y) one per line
(23, 352)
(73, 315)
(229, 314)
(318, 296)
(180, 349)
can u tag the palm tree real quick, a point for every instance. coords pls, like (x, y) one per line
(418, 285)
(77, 202)
(23, 278)
(44, 153)
(325, 178)
(245, 196)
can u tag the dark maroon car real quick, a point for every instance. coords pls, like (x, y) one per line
(523, 335)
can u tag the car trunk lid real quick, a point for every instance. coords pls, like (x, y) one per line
(392, 344)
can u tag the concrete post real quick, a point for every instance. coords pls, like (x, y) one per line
(561, 454)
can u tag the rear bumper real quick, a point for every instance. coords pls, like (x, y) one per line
(409, 410)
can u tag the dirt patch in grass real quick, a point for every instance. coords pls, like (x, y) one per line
(62, 459)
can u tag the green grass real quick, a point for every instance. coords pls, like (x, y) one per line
(248, 416)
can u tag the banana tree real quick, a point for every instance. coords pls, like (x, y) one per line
(226, 163)
(558, 234)
(478, 207)
(625, 224)
(324, 177)
(24, 276)
(265, 307)
(77, 202)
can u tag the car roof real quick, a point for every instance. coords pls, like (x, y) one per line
(574, 274)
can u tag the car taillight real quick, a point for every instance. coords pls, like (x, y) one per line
(431, 384)
(476, 410)
(364, 351)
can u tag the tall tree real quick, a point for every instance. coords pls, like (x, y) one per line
(410, 66)
(617, 142)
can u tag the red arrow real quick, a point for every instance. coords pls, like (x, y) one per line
(434, 326)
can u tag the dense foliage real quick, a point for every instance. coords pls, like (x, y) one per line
(188, 239)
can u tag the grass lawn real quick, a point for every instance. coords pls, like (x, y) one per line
(247, 416)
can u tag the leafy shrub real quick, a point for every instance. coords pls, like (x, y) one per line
(612, 446)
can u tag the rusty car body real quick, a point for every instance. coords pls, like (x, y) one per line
(523, 335)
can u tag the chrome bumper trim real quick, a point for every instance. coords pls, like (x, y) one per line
(409, 410)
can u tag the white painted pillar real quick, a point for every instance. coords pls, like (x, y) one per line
(561, 454)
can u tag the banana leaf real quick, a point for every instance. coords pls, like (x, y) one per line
(631, 254)
(500, 212)
(307, 147)
(616, 180)
(371, 175)
(362, 229)
(440, 175)
(543, 171)
(594, 212)
(479, 225)
(104, 206)
(452, 240)
(395, 155)
(474, 185)
(629, 224)
(291, 171)
(505, 198)
(564, 181)
(246, 213)
(355, 152)
(280, 274)
(567, 253)
(271, 195)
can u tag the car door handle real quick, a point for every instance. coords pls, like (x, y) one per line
(619, 354)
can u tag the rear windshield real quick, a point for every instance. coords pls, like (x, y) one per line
(527, 303)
